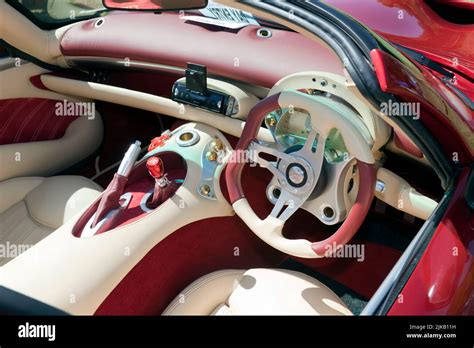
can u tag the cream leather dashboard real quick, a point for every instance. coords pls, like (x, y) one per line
(332, 85)
(148, 102)
(329, 83)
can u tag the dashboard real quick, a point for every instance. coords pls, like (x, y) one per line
(238, 61)
(166, 42)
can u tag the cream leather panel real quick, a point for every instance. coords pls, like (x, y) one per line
(205, 294)
(32, 208)
(221, 310)
(257, 291)
(277, 291)
(20, 86)
(150, 102)
(82, 138)
(402, 196)
(18, 231)
(14, 191)
(59, 198)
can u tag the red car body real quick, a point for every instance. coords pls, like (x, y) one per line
(442, 282)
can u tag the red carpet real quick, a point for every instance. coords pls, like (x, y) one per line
(221, 243)
(184, 256)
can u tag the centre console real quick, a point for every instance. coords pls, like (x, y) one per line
(136, 200)
(146, 184)
(83, 266)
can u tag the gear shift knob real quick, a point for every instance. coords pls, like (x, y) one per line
(155, 167)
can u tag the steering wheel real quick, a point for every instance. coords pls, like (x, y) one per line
(298, 174)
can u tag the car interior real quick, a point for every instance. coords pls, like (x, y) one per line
(153, 164)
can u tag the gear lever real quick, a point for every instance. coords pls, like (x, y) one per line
(164, 188)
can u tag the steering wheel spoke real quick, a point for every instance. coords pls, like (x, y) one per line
(256, 148)
(329, 204)
(286, 205)
(308, 145)
(314, 156)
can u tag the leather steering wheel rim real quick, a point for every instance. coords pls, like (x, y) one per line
(270, 230)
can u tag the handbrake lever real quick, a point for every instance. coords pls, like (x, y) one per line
(111, 196)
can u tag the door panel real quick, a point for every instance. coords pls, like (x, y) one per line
(35, 140)
(27, 120)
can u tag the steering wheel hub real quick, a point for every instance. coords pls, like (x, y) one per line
(296, 175)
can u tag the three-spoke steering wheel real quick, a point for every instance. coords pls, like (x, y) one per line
(300, 173)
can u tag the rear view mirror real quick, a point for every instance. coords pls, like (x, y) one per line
(154, 5)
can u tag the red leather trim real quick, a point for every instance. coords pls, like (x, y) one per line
(236, 165)
(36, 81)
(26, 120)
(357, 213)
(70, 74)
(404, 143)
(166, 39)
(110, 197)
